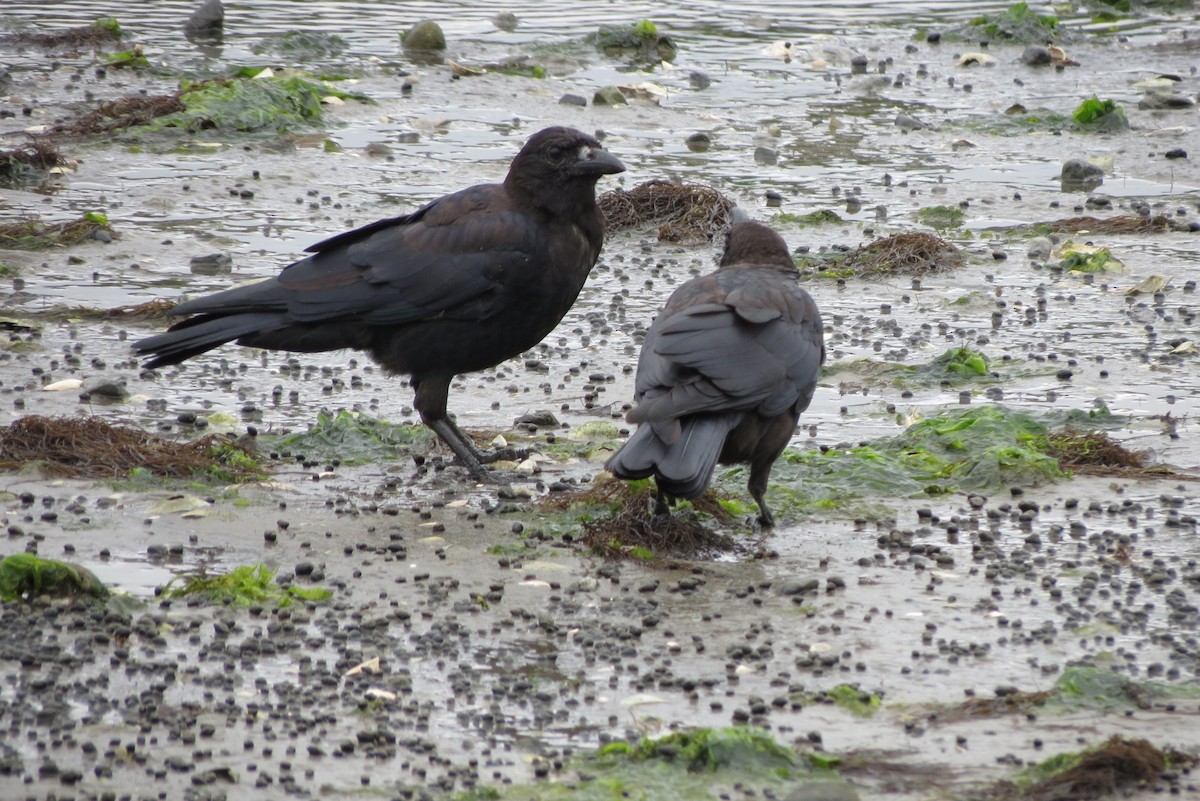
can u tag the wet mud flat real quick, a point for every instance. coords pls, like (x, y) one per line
(939, 612)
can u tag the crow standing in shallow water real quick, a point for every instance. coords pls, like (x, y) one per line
(725, 371)
(461, 284)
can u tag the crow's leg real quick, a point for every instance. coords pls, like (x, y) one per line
(487, 457)
(661, 506)
(758, 489)
(431, 396)
(466, 452)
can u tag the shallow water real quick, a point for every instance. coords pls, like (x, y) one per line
(836, 137)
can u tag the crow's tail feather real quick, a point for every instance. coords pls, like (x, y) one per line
(683, 468)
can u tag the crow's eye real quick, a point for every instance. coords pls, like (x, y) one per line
(554, 153)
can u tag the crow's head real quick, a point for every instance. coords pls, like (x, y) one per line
(560, 166)
(755, 243)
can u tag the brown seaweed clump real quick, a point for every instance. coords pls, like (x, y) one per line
(631, 530)
(1121, 224)
(89, 447)
(1118, 764)
(683, 212)
(100, 32)
(122, 113)
(33, 234)
(29, 162)
(150, 311)
(916, 253)
(1078, 452)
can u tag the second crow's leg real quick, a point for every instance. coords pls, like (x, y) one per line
(510, 454)
(462, 447)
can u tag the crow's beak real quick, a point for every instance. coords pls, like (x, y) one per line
(597, 161)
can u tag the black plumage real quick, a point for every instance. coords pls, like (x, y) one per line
(725, 371)
(460, 284)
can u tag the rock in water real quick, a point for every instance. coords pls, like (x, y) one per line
(425, 35)
(206, 22)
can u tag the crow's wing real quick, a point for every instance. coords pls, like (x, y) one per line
(447, 259)
(741, 340)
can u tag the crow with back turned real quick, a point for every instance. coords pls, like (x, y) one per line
(725, 371)
(460, 284)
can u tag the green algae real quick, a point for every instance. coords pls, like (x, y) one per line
(820, 217)
(24, 576)
(941, 217)
(855, 701)
(1018, 23)
(285, 102)
(640, 42)
(979, 449)
(691, 765)
(243, 585)
(1094, 114)
(354, 438)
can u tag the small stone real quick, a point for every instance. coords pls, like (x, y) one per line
(799, 586)
(699, 80)
(206, 22)
(572, 100)
(823, 791)
(212, 264)
(608, 96)
(1177, 153)
(106, 386)
(1036, 56)
(698, 142)
(1078, 171)
(765, 155)
(505, 21)
(1039, 248)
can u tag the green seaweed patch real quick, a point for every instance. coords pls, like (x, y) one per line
(281, 103)
(231, 464)
(133, 58)
(1078, 687)
(941, 218)
(956, 366)
(640, 42)
(856, 701)
(1018, 23)
(1019, 120)
(819, 217)
(693, 765)
(980, 449)
(25, 576)
(1095, 114)
(1100, 688)
(594, 440)
(244, 585)
(1099, 260)
(354, 438)
(305, 44)
(711, 750)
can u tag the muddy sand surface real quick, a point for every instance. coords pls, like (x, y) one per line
(913, 628)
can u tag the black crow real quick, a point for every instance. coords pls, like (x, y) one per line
(460, 284)
(726, 369)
